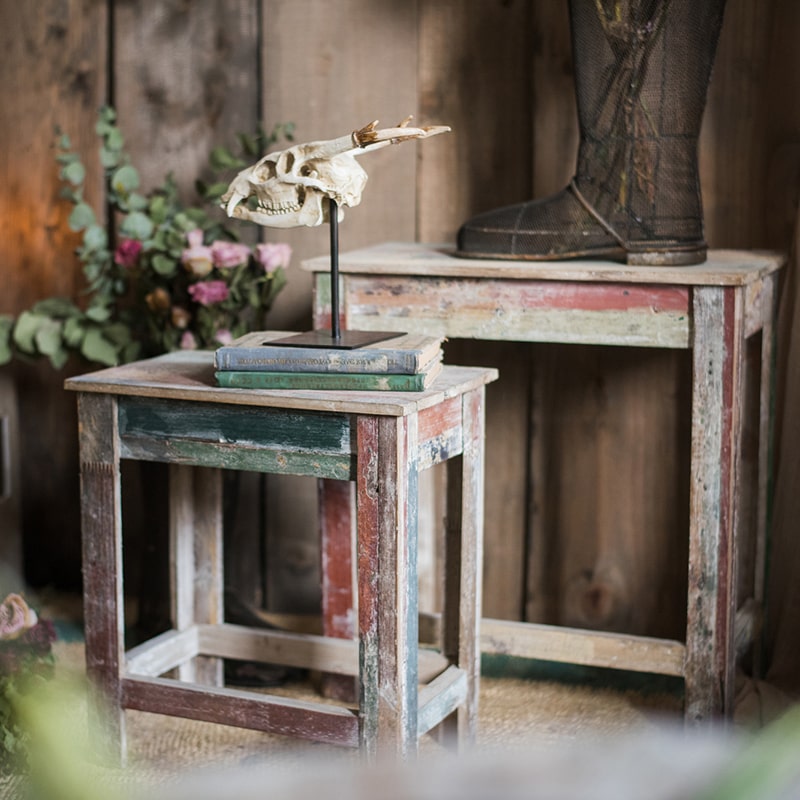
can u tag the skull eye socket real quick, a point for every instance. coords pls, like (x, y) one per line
(266, 170)
(286, 161)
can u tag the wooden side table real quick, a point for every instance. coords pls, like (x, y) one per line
(710, 309)
(169, 409)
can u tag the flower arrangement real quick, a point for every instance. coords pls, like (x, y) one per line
(170, 276)
(26, 659)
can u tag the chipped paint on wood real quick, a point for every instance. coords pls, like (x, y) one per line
(542, 311)
(215, 422)
(717, 365)
(267, 713)
(233, 456)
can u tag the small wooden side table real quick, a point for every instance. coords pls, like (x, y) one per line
(711, 309)
(169, 409)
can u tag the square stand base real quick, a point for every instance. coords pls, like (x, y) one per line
(347, 340)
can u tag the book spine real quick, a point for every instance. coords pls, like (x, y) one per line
(330, 381)
(299, 359)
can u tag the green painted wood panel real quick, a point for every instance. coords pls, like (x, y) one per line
(276, 429)
(340, 466)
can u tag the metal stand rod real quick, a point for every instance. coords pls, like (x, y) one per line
(333, 219)
(340, 339)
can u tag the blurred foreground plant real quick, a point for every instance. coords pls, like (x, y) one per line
(26, 662)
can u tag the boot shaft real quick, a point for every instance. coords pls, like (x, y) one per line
(642, 69)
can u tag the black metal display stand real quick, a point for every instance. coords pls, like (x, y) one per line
(336, 337)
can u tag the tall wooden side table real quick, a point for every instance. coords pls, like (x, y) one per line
(169, 409)
(710, 309)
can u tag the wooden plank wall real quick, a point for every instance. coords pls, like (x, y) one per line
(585, 519)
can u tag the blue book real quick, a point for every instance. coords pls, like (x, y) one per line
(407, 354)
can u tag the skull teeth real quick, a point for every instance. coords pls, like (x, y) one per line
(280, 208)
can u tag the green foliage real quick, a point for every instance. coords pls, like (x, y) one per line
(139, 298)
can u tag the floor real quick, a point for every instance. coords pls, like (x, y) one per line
(550, 738)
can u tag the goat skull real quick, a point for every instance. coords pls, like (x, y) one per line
(288, 188)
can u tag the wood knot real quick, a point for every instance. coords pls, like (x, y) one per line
(598, 598)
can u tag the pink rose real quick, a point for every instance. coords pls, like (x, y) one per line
(271, 256)
(229, 254)
(16, 617)
(196, 258)
(188, 342)
(223, 336)
(127, 252)
(209, 292)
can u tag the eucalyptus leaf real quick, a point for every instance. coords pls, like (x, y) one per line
(125, 179)
(195, 218)
(97, 348)
(158, 208)
(74, 331)
(137, 226)
(59, 357)
(118, 333)
(92, 270)
(109, 158)
(215, 191)
(137, 202)
(114, 139)
(98, 313)
(28, 323)
(164, 265)
(249, 144)
(68, 193)
(56, 307)
(74, 172)
(184, 222)
(81, 217)
(48, 337)
(6, 326)
(95, 237)
(277, 282)
(222, 158)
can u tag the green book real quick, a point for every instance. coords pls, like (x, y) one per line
(335, 381)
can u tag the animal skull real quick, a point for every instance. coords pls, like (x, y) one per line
(289, 188)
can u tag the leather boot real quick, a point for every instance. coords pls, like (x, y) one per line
(642, 69)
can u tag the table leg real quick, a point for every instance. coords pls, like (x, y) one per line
(337, 535)
(765, 441)
(386, 491)
(718, 356)
(196, 563)
(463, 562)
(101, 523)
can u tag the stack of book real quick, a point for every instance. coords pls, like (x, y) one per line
(407, 363)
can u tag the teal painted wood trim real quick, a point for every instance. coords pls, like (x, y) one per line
(340, 466)
(278, 429)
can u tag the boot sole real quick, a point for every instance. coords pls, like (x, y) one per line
(649, 258)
